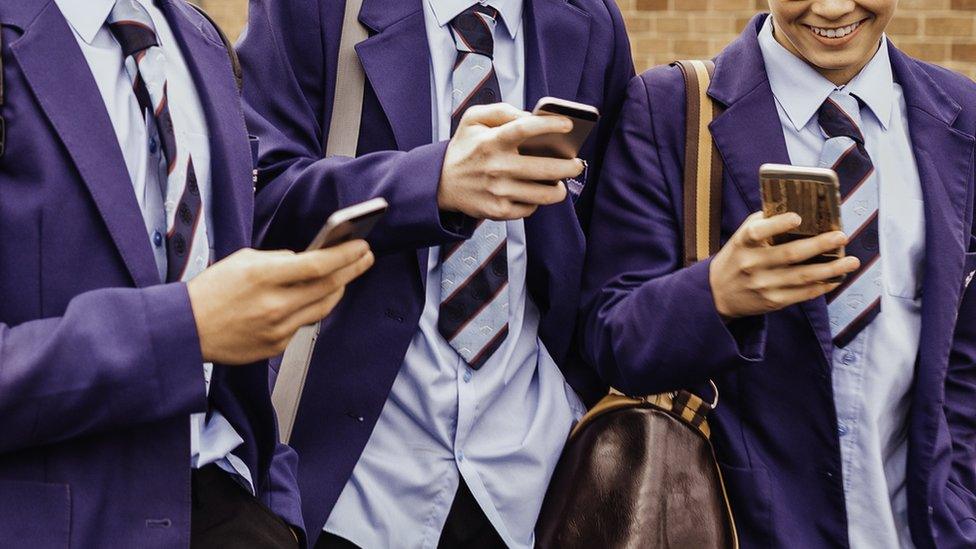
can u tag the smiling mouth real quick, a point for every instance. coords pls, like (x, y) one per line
(836, 32)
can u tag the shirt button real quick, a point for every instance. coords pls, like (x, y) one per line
(849, 359)
(460, 455)
(467, 376)
(841, 429)
(157, 239)
(153, 145)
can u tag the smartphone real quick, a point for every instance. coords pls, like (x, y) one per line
(813, 193)
(561, 145)
(352, 223)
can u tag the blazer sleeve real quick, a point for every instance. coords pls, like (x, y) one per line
(282, 495)
(285, 71)
(649, 324)
(115, 359)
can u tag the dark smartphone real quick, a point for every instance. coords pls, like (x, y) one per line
(352, 223)
(813, 193)
(561, 145)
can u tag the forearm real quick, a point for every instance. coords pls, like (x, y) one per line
(293, 205)
(666, 334)
(118, 357)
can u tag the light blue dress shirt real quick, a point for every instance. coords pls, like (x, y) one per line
(210, 441)
(502, 427)
(873, 375)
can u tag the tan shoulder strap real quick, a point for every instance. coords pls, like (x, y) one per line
(703, 166)
(347, 108)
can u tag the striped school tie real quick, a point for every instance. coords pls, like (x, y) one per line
(145, 63)
(473, 315)
(857, 301)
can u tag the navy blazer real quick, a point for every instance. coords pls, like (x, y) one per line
(651, 325)
(575, 49)
(100, 364)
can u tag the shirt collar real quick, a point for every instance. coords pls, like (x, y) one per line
(86, 16)
(800, 89)
(510, 11)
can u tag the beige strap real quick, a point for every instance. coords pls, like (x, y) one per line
(347, 108)
(703, 165)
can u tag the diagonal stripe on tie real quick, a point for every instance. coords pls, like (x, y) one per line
(474, 309)
(857, 301)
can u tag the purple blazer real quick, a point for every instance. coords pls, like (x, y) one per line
(651, 326)
(576, 50)
(100, 364)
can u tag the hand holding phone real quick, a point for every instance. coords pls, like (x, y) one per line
(774, 261)
(485, 177)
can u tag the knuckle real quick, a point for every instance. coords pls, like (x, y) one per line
(791, 255)
(495, 169)
(748, 265)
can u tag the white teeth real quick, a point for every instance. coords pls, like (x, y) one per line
(835, 33)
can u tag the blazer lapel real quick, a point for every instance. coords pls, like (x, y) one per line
(396, 60)
(943, 155)
(232, 201)
(58, 74)
(749, 134)
(556, 41)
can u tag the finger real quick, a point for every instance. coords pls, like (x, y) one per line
(493, 115)
(301, 295)
(515, 132)
(805, 275)
(785, 297)
(801, 250)
(537, 168)
(756, 230)
(315, 311)
(515, 210)
(315, 264)
(532, 193)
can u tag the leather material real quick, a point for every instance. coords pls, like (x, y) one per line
(636, 477)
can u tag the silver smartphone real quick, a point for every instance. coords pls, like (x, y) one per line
(561, 145)
(813, 193)
(352, 223)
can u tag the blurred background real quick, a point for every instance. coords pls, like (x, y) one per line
(941, 31)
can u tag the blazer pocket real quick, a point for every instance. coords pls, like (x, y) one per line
(34, 514)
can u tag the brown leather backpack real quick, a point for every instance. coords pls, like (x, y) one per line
(641, 472)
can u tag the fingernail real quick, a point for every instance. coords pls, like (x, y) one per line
(796, 219)
(839, 238)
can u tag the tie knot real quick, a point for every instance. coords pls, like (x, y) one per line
(132, 26)
(840, 116)
(473, 30)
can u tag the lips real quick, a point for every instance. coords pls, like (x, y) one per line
(835, 32)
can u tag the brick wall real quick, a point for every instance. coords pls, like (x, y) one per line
(942, 31)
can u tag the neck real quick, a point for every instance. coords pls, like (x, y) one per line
(839, 76)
